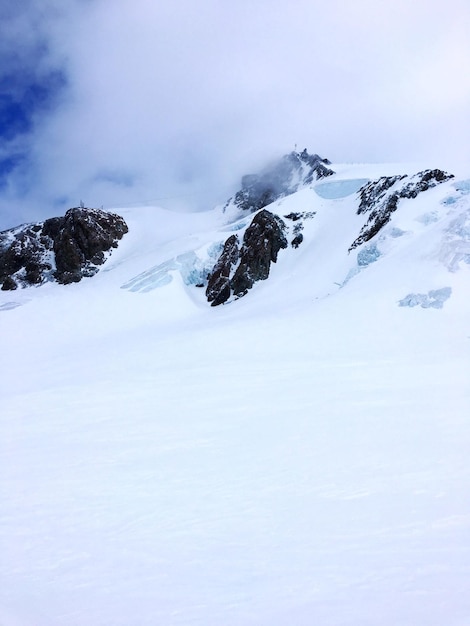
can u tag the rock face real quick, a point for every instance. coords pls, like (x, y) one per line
(282, 179)
(380, 198)
(25, 257)
(64, 249)
(218, 287)
(238, 268)
(81, 240)
(298, 219)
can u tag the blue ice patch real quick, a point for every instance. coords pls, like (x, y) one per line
(368, 255)
(434, 299)
(396, 232)
(340, 188)
(449, 200)
(428, 218)
(193, 270)
(463, 186)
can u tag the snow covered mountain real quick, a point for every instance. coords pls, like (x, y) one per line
(297, 454)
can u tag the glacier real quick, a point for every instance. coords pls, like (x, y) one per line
(297, 456)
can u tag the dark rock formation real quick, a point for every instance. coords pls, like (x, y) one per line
(64, 249)
(379, 200)
(25, 257)
(424, 181)
(237, 269)
(218, 288)
(298, 219)
(261, 244)
(297, 240)
(282, 179)
(373, 193)
(81, 241)
(9, 284)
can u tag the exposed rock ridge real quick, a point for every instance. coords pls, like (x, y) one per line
(26, 256)
(238, 268)
(283, 178)
(380, 199)
(64, 249)
(372, 194)
(219, 287)
(298, 219)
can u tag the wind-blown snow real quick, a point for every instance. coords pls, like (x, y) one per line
(299, 456)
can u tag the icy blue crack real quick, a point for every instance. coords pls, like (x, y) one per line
(340, 188)
(434, 299)
(192, 268)
(368, 255)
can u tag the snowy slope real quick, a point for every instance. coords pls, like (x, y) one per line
(297, 456)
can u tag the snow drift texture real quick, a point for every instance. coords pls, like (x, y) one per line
(298, 455)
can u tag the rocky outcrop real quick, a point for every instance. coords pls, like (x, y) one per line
(380, 199)
(261, 244)
(298, 219)
(282, 179)
(81, 240)
(238, 268)
(373, 193)
(218, 287)
(25, 257)
(64, 249)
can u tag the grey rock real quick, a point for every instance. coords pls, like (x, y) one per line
(218, 288)
(238, 268)
(262, 241)
(64, 249)
(380, 199)
(81, 241)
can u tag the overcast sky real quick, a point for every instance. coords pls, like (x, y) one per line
(170, 102)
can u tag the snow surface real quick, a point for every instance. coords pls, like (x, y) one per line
(297, 457)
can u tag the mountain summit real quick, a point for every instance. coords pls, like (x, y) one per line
(284, 214)
(280, 179)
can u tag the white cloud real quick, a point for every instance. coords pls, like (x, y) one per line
(182, 98)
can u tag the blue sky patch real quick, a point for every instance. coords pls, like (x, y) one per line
(23, 98)
(7, 165)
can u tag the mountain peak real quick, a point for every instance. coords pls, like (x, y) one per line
(282, 178)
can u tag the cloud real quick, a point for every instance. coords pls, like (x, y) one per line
(171, 103)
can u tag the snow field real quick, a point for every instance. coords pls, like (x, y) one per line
(289, 458)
